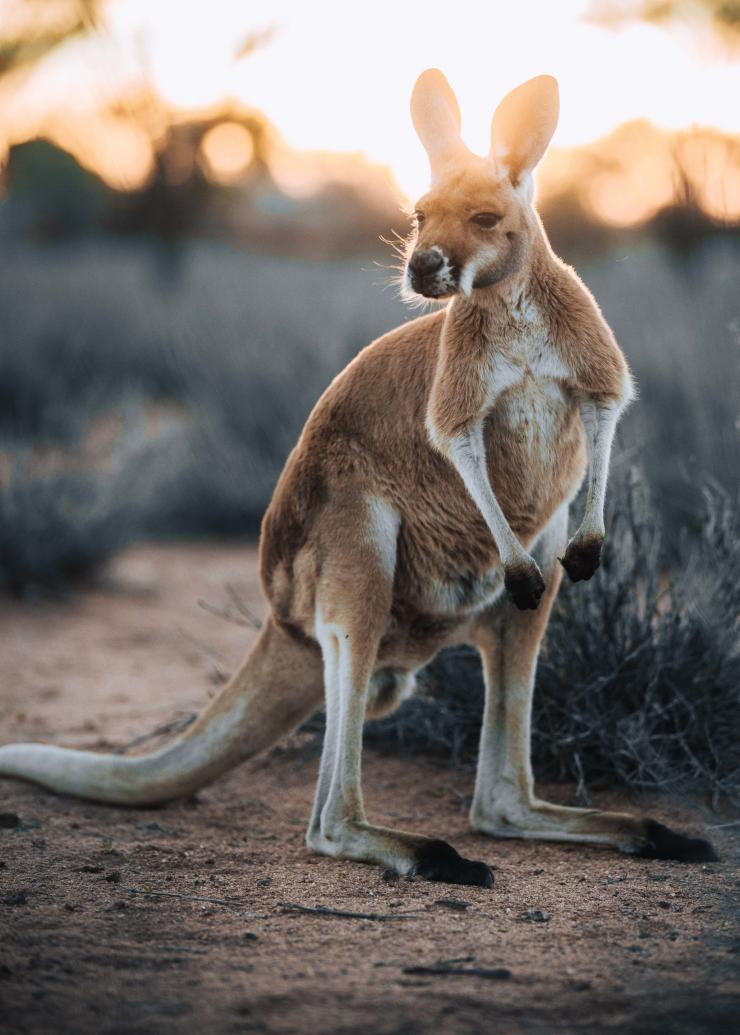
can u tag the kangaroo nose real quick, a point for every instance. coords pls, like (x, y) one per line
(424, 263)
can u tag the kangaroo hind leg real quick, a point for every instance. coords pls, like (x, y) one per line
(504, 802)
(352, 611)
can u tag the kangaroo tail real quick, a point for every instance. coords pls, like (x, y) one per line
(278, 686)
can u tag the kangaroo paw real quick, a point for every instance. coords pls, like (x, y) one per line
(582, 558)
(524, 585)
(436, 860)
(663, 843)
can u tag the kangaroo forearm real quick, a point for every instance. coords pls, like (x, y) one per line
(600, 420)
(467, 454)
(583, 555)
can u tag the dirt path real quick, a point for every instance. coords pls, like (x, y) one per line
(141, 922)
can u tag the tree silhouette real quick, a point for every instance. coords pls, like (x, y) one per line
(721, 16)
(35, 28)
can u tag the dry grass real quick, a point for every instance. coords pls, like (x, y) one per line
(639, 680)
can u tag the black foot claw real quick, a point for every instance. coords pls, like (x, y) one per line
(582, 558)
(524, 585)
(436, 860)
(664, 843)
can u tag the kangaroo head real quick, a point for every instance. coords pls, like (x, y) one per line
(476, 224)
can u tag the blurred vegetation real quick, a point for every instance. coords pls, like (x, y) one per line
(721, 16)
(637, 184)
(202, 384)
(31, 31)
(640, 183)
(209, 377)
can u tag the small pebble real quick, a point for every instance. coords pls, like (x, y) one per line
(15, 900)
(534, 916)
(9, 820)
(457, 904)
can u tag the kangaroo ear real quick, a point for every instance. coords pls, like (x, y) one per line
(523, 124)
(436, 116)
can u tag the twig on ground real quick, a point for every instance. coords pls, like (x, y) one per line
(294, 907)
(219, 670)
(458, 904)
(222, 612)
(492, 973)
(173, 726)
(230, 902)
(238, 612)
(244, 610)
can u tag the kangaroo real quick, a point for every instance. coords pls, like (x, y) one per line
(426, 504)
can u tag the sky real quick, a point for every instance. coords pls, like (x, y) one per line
(338, 76)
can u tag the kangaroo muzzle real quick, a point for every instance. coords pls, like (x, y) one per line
(431, 273)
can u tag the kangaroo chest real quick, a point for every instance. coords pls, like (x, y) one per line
(535, 458)
(527, 393)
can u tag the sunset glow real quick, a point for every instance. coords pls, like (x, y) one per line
(338, 78)
(227, 151)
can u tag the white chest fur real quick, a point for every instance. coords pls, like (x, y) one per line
(527, 381)
(524, 353)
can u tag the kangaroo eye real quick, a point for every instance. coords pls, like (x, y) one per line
(419, 217)
(485, 220)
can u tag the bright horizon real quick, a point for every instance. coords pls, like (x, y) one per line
(339, 79)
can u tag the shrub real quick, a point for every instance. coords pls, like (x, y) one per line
(639, 677)
(59, 528)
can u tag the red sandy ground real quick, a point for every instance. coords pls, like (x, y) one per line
(87, 947)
